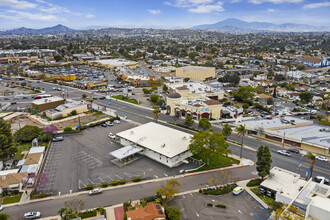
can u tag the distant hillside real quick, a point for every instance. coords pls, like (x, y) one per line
(236, 25)
(49, 30)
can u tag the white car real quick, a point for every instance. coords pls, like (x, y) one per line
(321, 158)
(109, 123)
(95, 191)
(112, 136)
(32, 215)
(238, 190)
(284, 152)
(116, 121)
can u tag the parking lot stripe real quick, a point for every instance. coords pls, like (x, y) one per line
(118, 176)
(156, 176)
(90, 181)
(101, 179)
(128, 175)
(110, 178)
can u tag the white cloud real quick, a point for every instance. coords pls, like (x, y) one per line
(154, 12)
(17, 4)
(90, 16)
(274, 1)
(198, 6)
(31, 16)
(207, 8)
(270, 10)
(317, 5)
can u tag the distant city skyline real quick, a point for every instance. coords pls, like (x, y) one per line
(158, 13)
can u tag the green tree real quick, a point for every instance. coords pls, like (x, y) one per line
(226, 130)
(165, 88)
(154, 98)
(270, 101)
(245, 106)
(305, 96)
(204, 124)
(207, 144)
(233, 78)
(7, 145)
(319, 117)
(264, 161)
(241, 132)
(71, 209)
(192, 55)
(169, 190)
(244, 94)
(186, 79)
(156, 113)
(23, 84)
(311, 160)
(27, 133)
(83, 96)
(189, 121)
(260, 89)
(5, 216)
(173, 213)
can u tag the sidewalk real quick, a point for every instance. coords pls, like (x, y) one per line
(25, 197)
(243, 184)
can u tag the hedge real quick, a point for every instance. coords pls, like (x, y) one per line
(122, 182)
(137, 179)
(104, 184)
(114, 183)
(219, 191)
(220, 206)
(150, 198)
(209, 204)
(255, 182)
(89, 187)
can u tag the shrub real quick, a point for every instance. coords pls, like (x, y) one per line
(255, 182)
(125, 216)
(68, 129)
(137, 179)
(122, 182)
(200, 190)
(209, 204)
(89, 187)
(42, 195)
(126, 205)
(114, 183)
(220, 206)
(101, 210)
(73, 113)
(104, 184)
(150, 198)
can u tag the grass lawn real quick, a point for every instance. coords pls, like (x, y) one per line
(121, 97)
(21, 148)
(218, 161)
(12, 199)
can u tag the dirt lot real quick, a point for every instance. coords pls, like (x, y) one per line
(194, 206)
(83, 121)
(20, 122)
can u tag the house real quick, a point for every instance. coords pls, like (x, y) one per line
(11, 181)
(310, 198)
(151, 212)
(315, 62)
(31, 164)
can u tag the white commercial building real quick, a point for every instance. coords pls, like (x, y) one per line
(311, 198)
(160, 143)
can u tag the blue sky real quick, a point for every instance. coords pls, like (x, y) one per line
(157, 13)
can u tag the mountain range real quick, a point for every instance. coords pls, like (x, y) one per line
(58, 29)
(231, 25)
(236, 25)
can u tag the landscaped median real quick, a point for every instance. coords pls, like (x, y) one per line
(126, 99)
(115, 183)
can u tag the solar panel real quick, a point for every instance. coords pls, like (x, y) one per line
(160, 212)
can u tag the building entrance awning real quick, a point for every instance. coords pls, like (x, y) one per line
(125, 152)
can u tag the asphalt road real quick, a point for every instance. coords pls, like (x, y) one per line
(119, 195)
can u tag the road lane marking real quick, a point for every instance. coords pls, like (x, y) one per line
(197, 214)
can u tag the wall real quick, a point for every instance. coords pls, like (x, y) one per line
(313, 149)
(282, 198)
(318, 213)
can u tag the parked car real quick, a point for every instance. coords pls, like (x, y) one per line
(112, 136)
(321, 158)
(102, 98)
(109, 123)
(293, 150)
(320, 178)
(116, 121)
(24, 97)
(104, 125)
(32, 215)
(95, 191)
(59, 138)
(284, 152)
(6, 98)
(238, 190)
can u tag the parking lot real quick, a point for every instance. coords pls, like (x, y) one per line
(194, 206)
(80, 160)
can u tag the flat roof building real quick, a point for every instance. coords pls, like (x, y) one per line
(111, 63)
(196, 73)
(47, 103)
(167, 146)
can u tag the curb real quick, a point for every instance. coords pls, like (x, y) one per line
(214, 170)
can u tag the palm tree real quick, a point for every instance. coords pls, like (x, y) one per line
(156, 113)
(241, 132)
(311, 160)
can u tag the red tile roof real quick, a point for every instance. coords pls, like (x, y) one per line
(150, 212)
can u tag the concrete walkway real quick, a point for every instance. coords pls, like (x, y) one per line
(243, 184)
(25, 196)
